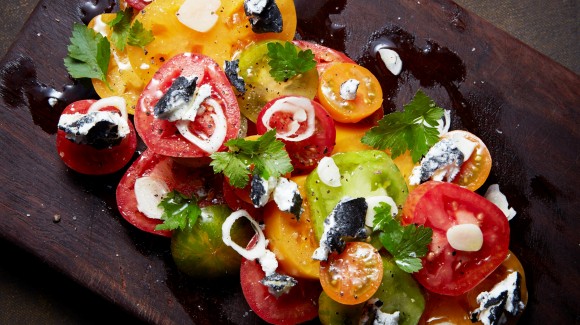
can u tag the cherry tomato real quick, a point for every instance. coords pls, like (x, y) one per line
(323, 55)
(138, 4)
(230, 34)
(121, 77)
(185, 179)
(440, 206)
(293, 241)
(162, 136)
(368, 99)
(89, 160)
(307, 138)
(261, 87)
(352, 276)
(456, 310)
(297, 306)
(475, 170)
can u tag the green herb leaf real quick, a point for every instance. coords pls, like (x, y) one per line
(88, 54)
(139, 36)
(286, 61)
(179, 211)
(266, 155)
(407, 244)
(414, 129)
(121, 25)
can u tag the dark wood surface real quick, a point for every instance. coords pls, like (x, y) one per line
(524, 105)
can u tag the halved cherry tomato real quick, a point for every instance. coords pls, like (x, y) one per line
(293, 241)
(476, 169)
(297, 306)
(323, 55)
(185, 179)
(307, 138)
(230, 34)
(369, 95)
(162, 136)
(138, 4)
(440, 206)
(121, 77)
(456, 310)
(352, 276)
(89, 160)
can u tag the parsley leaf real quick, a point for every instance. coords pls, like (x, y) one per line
(286, 61)
(266, 155)
(414, 129)
(124, 33)
(406, 243)
(88, 54)
(179, 211)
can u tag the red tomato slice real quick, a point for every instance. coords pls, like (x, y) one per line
(162, 136)
(323, 55)
(138, 4)
(185, 179)
(86, 159)
(440, 206)
(307, 152)
(235, 199)
(299, 305)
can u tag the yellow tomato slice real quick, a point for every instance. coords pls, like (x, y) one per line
(231, 33)
(368, 99)
(121, 77)
(293, 241)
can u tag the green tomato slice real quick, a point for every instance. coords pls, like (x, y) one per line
(261, 86)
(199, 251)
(363, 174)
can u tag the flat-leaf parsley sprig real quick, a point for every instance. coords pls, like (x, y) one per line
(179, 211)
(126, 34)
(266, 155)
(286, 61)
(88, 54)
(414, 129)
(407, 244)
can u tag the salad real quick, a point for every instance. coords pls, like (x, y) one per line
(270, 159)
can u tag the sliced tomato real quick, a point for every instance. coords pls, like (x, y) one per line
(299, 305)
(138, 4)
(239, 199)
(86, 159)
(323, 55)
(354, 275)
(368, 97)
(185, 179)
(475, 170)
(303, 125)
(440, 206)
(161, 135)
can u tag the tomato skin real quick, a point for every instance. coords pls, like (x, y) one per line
(323, 55)
(138, 4)
(162, 136)
(439, 206)
(305, 154)
(297, 306)
(187, 180)
(88, 160)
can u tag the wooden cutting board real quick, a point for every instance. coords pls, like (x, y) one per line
(522, 104)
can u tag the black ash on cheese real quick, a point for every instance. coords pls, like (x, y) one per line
(287, 197)
(504, 297)
(346, 221)
(444, 159)
(278, 284)
(232, 70)
(260, 190)
(372, 314)
(264, 15)
(179, 94)
(100, 129)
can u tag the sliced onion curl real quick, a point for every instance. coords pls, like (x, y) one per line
(259, 248)
(214, 142)
(301, 110)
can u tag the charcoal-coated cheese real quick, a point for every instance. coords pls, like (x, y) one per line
(287, 197)
(177, 97)
(347, 220)
(265, 16)
(278, 284)
(261, 189)
(443, 160)
(232, 71)
(504, 297)
(372, 314)
(99, 129)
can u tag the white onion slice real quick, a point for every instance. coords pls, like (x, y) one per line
(120, 104)
(302, 110)
(392, 60)
(149, 192)
(199, 15)
(444, 123)
(215, 141)
(465, 237)
(259, 248)
(328, 172)
(495, 196)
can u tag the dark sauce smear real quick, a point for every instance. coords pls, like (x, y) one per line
(20, 88)
(89, 9)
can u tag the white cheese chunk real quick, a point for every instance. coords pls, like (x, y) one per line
(255, 7)
(328, 172)
(348, 89)
(287, 196)
(392, 60)
(149, 192)
(465, 237)
(373, 202)
(464, 145)
(504, 297)
(199, 15)
(496, 197)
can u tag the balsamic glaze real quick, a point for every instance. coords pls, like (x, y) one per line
(89, 9)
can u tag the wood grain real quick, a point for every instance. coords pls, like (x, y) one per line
(522, 104)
